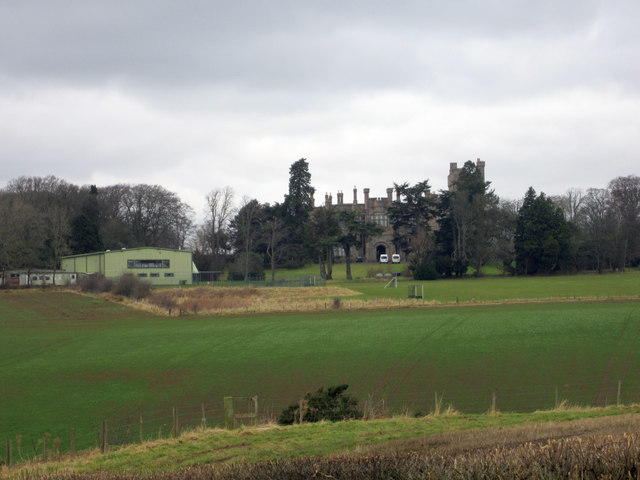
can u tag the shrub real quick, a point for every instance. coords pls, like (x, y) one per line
(95, 284)
(332, 404)
(444, 265)
(425, 270)
(164, 300)
(131, 286)
(460, 267)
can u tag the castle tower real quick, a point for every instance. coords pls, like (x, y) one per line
(480, 165)
(454, 173)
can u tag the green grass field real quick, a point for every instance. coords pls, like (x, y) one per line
(69, 361)
(487, 289)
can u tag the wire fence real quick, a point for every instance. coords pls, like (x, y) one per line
(171, 421)
(217, 279)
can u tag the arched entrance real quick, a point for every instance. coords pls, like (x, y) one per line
(380, 249)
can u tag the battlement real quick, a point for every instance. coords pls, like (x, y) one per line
(368, 201)
(375, 209)
(454, 173)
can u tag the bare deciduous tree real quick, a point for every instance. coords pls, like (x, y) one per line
(570, 203)
(58, 229)
(625, 200)
(153, 215)
(214, 234)
(246, 229)
(597, 222)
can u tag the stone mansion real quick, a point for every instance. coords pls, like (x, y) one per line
(374, 209)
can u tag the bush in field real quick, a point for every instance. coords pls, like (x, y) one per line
(95, 284)
(131, 286)
(425, 270)
(332, 404)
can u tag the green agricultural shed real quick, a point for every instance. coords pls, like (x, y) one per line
(159, 266)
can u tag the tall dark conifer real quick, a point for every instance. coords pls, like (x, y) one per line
(85, 228)
(542, 236)
(298, 203)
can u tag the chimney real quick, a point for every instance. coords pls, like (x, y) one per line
(366, 196)
(389, 194)
(355, 195)
(340, 198)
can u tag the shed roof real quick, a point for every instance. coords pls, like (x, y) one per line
(127, 250)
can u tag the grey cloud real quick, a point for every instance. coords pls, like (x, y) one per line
(296, 45)
(381, 91)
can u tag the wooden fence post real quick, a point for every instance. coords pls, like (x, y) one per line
(141, 430)
(176, 428)
(228, 413)
(619, 391)
(72, 443)
(302, 409)
(104, 444)
(44, 446)
(8, 452)
(204, 417)
(255, 411)
(56, 447)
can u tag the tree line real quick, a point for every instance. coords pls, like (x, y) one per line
(443, 234)
(593, 229)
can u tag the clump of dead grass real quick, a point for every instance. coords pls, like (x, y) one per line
(218, 300)
(249, 300)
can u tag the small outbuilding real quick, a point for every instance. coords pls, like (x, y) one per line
(29, 278)
(159, 266)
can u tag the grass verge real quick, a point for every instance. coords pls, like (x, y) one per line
(454, 433)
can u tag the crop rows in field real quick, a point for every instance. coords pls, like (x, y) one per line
(68, 362)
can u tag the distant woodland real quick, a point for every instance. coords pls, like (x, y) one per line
(441, 234)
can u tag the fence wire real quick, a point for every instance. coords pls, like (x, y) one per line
(168, 422)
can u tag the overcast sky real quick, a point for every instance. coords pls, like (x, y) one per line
(197, 95)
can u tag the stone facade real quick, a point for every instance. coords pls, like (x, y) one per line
(372, 209)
